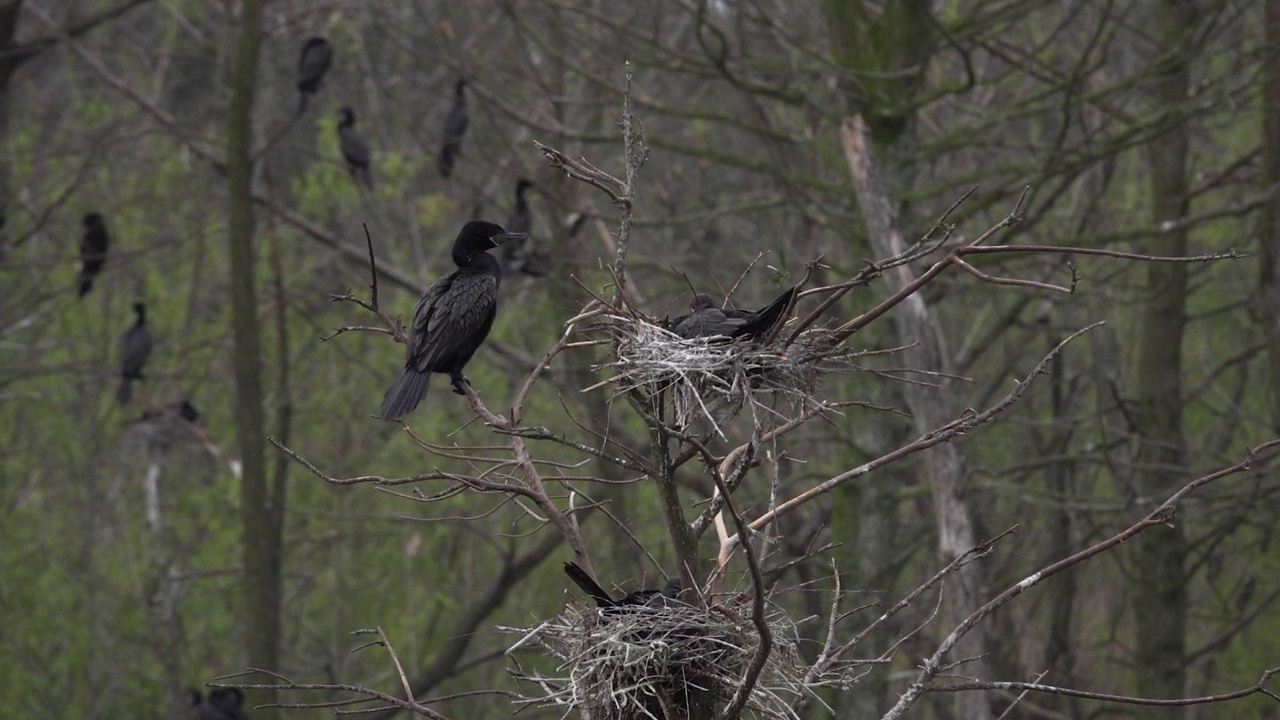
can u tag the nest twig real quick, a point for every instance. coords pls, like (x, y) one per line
(660, 662)
(713, 377)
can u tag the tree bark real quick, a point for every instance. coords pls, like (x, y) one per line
(1159, 603)
(9, 62)
(885, 50)
(260, 542)
(1269, 213)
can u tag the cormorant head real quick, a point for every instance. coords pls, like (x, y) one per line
(523, 184)
(673, 587)
(141, 310)
(702, 301)
(314, 43)
(459, 90)
(479, 236)
(348, 117)
(93, 219)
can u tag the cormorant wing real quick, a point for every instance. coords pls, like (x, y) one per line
(135, 348)
(455, 124)
(313, 63)
(706, 323)
(354, 148)
(588, 585)
(455, 127)
(452, 311)
(761, 321)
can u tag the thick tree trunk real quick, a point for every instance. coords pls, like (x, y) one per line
(261, 541)
(1159, 602)
(1269, 215)
(10, 59)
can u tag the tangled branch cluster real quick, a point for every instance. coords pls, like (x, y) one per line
(657, 662)
(712, 377)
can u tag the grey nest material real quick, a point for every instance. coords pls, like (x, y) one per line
(715, 377)
(658, 662)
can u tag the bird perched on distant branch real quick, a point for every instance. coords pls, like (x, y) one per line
(222, 704)
(354, 149)
(452, 319)
(135, 348)
(707, 320)
(93, 251)
(523, 256)
(313, 63)
(455, 128)
(670, 591)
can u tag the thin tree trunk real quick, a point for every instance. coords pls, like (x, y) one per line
(885, 49)
(1159, 602)
(260, 541)
(932, 406)
(164, 595)
(9, 62)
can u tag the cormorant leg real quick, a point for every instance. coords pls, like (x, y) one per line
(458, 382)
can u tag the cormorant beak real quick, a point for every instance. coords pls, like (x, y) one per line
(504, 237)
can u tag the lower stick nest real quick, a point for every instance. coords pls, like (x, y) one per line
(662, 662)
(713, 377)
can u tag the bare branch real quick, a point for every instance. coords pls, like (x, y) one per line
(1258, 688)
(961, 425)
(1162, 515)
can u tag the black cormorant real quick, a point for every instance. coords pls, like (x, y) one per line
(222, 704)
(455, 128)
(521, 220)
(451, 319)
(707, 320)
(93, 251)
(523, 255)
(313, 63)
(135, 348)
(188, 412)
(639, 597)
(354, 149)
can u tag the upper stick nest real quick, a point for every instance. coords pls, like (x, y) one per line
(714, 377)
(657, 662)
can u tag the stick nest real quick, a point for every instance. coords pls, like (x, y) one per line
(659, 662)
(714, 377)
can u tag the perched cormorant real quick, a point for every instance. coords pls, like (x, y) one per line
(313, 63)
(222, 704)
(452, 318)
(638, 597)
(707, 320)
(455, 128)
(135, 348)
(354, 149)
(230, 701)
(93, 251)
(523, 255)
(521, 220)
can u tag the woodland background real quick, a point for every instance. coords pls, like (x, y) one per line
(135, 562)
